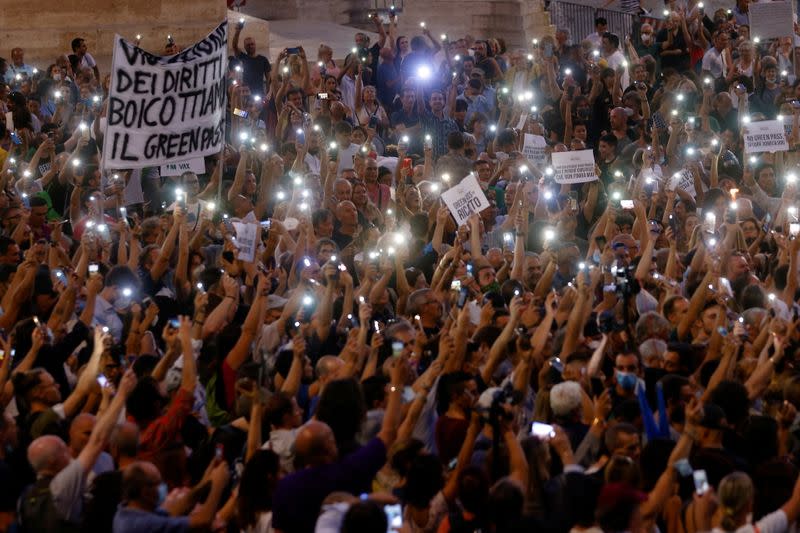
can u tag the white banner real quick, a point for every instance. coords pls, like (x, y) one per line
(166, 109)
(574, 167)
(534, 149)
(771, 19)
(246, 237)
(765, 136)
(196, 165)
(464, 199)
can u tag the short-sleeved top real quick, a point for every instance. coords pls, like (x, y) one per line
(67, 489)
(299, 496)
(438, 129)
(129, 520)
(255, 71)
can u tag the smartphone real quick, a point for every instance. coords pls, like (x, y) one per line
(93, 267)
(683, 467)
(700, 482)
(174, 323)
(373, 122)
(240, 112)
(548, 50)
(301, 137)
(293, 51)
(407, 162)
(597, 386)
(322, 96)
(626, 204)
(462, 297)
(673, 223)
(455, 285)
(219, 451)
(542, 431)
(102, 381)
(15, 138)
(394, 516)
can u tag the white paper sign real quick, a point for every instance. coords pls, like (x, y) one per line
(196, 165)
(574, 167)
(246, 235)
(166, 109)
(684, 180)
(523, 118)
(771, 19)
(534, 149)
(464, 199)
(765, 136)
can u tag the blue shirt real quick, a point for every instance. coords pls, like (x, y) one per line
(478, 104)
(128, 520)
(438, 129)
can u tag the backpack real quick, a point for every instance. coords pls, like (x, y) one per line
(37, 512)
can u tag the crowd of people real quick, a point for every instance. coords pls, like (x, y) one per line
(616, 355)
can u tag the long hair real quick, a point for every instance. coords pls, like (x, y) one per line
(342, 407)
(256, 487)
(735, 493)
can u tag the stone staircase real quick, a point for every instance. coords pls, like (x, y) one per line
(518, 21)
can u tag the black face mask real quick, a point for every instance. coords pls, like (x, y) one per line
(584, 113)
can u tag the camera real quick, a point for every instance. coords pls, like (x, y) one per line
(495, 404)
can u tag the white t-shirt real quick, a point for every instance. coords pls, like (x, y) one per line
(615, 61)
(281, 441)
(87, 61)
(346, 156)
(774, 522)
(714, 62)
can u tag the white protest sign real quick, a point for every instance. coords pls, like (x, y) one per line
(523, 118)
(574, 167)
(765, 136)
(464, 199)
(196, 165)
(771, 19)
(246, 235)
(166, 109)
(534, 149)
(684, 180)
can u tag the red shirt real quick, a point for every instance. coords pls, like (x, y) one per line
(164, 431)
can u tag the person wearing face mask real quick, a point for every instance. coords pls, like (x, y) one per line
(626, 377)
(145, 506)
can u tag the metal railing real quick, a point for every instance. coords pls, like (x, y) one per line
(579, 19)
(384, 6)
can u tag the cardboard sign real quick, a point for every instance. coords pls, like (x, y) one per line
(464, 199)
(196, 165)
(765, 136)
(770, 20)
(574, 167)
(534, 149)
(682, 179)
(246, 235)
(166, 109)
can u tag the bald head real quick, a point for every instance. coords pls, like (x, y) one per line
(48, 455)
(314, 445)
(124, 442)
(327, 366)
(140, 482)
(79, 432)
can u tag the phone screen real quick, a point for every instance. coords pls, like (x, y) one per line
(394, 517)
(700, 482)
(542, 431)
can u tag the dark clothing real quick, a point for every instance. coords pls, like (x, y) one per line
(299, 496)
(450, 435)
(255, 72)
(679, 62)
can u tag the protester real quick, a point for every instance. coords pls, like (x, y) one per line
(431, 286)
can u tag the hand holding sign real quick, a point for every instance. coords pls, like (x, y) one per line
(464, 199)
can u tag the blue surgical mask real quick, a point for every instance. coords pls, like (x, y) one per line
(626, 380)
(162, 494)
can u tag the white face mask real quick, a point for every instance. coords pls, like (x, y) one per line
(593, 344)
(772, 79)
(646, 37)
